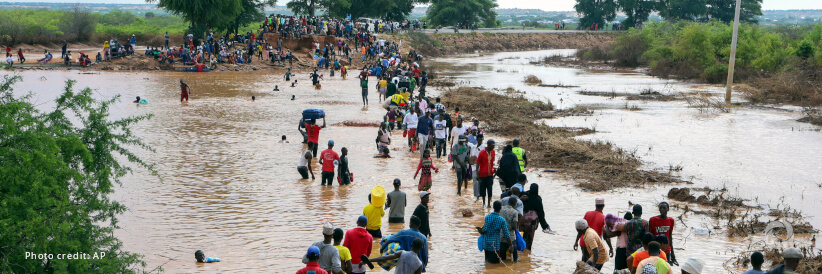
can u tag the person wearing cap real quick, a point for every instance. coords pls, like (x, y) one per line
(635, 229)
(595, 220)
(521, 156)
(422, 212)
(374, 218)
(329, 255)
(312, 131)
(661, 265)
(397, 202)
(327, 159)
(312, 266)
(791, 255)
(756, 264)
(358, 241)
(493, 230)
(593, 243)
(664, 225)
(406, 237)
(486, 171)
(694, 266)
(460, 154)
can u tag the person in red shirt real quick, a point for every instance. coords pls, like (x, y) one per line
(596, 221)
(20, 56)
(328, 158)
(185, 89)
(312, 130)
(358, 241)
(664, 225)
(485, 172)
(312, 266)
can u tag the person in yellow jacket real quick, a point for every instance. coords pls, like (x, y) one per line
(523, 159)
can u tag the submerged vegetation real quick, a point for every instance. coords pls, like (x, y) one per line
(596, 165)
(783, 64)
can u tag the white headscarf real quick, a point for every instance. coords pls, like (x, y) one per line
(693, 266)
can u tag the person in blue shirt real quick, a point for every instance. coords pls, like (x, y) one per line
(491, 231)
(424, 129)
(406, 237)
(133, 40)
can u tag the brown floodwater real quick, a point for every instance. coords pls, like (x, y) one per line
(229, 188)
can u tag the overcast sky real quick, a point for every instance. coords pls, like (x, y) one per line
(550, 5)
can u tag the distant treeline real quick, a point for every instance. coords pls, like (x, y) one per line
(40, 26)
(785, 62)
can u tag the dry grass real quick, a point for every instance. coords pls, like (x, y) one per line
(532, 80)
(596, 165)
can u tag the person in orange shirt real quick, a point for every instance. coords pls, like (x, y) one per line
(363, 53)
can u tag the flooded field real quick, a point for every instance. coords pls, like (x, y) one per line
(229, 188)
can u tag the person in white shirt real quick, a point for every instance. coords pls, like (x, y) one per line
(458, 130)
(410, 121)
(440, 133)
(474, 167)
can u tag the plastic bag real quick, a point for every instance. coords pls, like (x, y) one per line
(520, 241)
(480, 242)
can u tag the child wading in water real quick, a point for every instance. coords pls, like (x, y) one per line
(426, 164)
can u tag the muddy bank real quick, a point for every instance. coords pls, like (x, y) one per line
(595, 165)
(441, 44)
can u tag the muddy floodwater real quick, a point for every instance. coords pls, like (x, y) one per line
(228, 187)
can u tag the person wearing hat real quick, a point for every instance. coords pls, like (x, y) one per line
(791, 255)
(486, 172)
(593, 243)
(406, 237)
(596, 220)
(396, 201)
(329, 259)
(460, 153)
(664, 225)
(312, 266)
(422, 212)
(328, 159)
(358, 241)
(694, 266)
(635, 229)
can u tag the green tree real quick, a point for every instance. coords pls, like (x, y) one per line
(78, 22)
(58, 169)
(636, 11)
(303, 7)
(204, 14)
(118, 17)
(451, 12)
(150, 15)
(252, 13)
(691, 10)
(595, 12)
(723, 10)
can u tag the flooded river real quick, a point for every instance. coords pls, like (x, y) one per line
(229, 188)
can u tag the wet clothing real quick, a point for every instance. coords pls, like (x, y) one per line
(405, 238)
(329, 257)
(359, 242)
(659, 226)
(509, 169)
(397, 205)
(374, 215)
(422, 212)
(494, 229)
(310, 267)
(408, 263)
(425, 179)
(534, 203)
(593, 240)
(635, 229)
